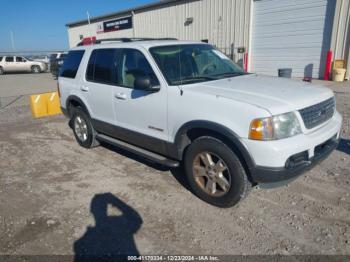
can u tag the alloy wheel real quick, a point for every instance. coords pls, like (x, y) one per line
(211, 174)
(81, 129)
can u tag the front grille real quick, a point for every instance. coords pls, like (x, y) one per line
(317, 114)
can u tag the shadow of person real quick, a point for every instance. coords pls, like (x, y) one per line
(112, 237)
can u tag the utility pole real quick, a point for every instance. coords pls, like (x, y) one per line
(88, 17)
(12, 40)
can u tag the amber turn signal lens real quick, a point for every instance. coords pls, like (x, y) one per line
(261, 129)
(256, 130)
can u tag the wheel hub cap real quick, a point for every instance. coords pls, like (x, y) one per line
(211, 174)
(80, 128)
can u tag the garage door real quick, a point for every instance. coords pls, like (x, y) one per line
(291, 34)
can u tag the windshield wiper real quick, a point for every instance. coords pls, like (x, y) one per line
(194, 79)
(230, 74)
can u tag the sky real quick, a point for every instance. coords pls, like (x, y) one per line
(39, 25)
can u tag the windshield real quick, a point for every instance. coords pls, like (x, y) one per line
(186, 64)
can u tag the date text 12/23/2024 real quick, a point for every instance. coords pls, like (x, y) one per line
(173, 258)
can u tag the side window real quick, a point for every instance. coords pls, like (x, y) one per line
(102, 67)
(71, 64)
(9, 59)
(134, 64)
(19, 59)
(0, 58)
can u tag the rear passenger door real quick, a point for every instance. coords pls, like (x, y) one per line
(141, 114)
(97, 86)
(9, 64)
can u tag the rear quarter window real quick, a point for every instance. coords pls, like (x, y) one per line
(71, 64)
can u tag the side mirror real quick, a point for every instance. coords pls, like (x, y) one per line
(144, 83)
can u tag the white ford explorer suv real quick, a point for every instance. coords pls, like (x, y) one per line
(20, 64)
(185, 103)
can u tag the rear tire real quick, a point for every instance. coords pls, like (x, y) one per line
(209, 161)
(1, 71)
(83, 130)
(36, 69)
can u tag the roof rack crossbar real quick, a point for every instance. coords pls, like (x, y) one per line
(127, 39)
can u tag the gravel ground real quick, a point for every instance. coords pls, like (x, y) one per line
(58, 198)
(25, 84)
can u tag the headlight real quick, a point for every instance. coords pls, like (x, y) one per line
(275, 127)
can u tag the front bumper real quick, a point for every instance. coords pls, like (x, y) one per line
(275, 161)
(270, 175)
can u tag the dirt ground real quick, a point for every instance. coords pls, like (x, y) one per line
(57, 198)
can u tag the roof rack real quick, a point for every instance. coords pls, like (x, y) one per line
(127, 40)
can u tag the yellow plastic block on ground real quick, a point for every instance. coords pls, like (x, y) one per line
(53, 104)
(46, 104)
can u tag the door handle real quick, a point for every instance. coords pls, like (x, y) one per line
(84, 88)
(120, 96)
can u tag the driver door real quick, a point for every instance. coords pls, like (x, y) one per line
(142, 115)
(21, 64)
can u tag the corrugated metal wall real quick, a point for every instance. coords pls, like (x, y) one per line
(341, 32)
(291, 34)
(223, 22)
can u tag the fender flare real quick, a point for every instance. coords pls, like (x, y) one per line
(78, 100)
(182, 140)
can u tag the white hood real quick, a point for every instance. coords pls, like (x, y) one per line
(277, 95)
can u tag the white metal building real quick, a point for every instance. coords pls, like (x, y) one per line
(275, 33)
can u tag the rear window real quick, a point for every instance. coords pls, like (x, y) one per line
(102, 66)
(71, 64)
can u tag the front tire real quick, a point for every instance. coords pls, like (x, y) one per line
(36, 69)
(83, 130)
(215, 173)
(1, 71)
